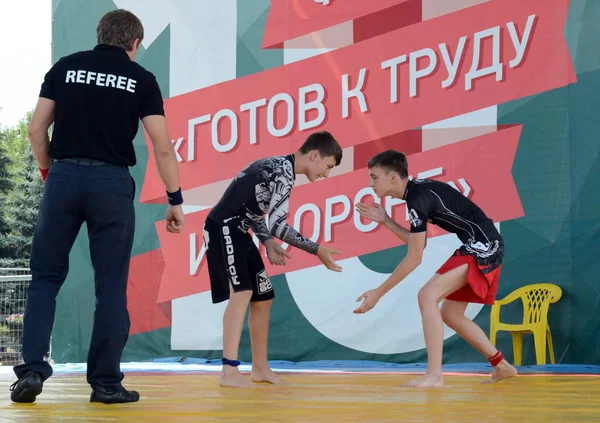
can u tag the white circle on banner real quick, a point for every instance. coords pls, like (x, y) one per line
(327, 300)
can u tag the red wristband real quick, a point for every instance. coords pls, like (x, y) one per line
(44, 173)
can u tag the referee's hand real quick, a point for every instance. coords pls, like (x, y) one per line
(175, 219)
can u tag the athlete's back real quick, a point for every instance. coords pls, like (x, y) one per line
(441, 204)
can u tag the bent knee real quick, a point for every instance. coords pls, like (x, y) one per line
(426, 296)
(450, 318)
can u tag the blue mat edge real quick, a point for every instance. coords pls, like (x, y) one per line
(189, 364)
(362, 365)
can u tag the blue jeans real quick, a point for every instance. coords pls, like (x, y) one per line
(102, 196)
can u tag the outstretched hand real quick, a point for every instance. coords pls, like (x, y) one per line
(372, 211)
(324, 254)
(371, 298)
(276, 253)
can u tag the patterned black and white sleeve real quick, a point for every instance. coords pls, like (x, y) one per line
(280, 201)
(261, 231)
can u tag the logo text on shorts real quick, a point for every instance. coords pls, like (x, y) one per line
(263, 281)
(230, 257)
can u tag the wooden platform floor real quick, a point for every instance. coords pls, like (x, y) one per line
(331, 398)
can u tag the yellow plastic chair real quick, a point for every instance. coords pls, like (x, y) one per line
(536, 300)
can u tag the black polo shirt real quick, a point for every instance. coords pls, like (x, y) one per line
(100, 97)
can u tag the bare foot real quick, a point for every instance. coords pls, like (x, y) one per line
(425, 381)
(267, 375)
(234, 380)
(503, 370)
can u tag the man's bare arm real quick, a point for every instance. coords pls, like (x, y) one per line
(164, 153)
(42, 118)
(377, 213)
(396, 229)
(416, 244)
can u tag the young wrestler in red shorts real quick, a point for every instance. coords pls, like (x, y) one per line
(469, 276)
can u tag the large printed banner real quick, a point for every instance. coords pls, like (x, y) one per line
(481, 94)
(371, 95)
(471, 59)
(420, 76)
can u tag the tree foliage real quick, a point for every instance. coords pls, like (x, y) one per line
(20, 191)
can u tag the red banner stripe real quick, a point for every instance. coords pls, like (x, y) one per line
(289, 19)
(545, 64)
(145, 273)
(387, 20)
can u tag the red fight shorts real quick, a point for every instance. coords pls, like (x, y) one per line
(482, 279)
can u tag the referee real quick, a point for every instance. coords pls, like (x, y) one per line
(95, 99)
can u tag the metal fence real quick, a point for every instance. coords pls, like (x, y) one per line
(13, 296)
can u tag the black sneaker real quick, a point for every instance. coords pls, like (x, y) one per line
(27, 388)
(100, 394)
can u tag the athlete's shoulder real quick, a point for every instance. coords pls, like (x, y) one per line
(423, 193)
(264, 167)
(269, 163)
(284, 171)
(430, 185)
(417, 188)
(422, 182)
(279, 166)
(443, 189)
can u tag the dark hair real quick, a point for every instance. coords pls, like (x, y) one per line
(390, 160)
(324, 142)
(119, 28)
